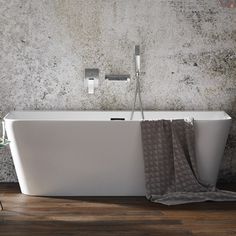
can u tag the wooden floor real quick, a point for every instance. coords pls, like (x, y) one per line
(103, 216)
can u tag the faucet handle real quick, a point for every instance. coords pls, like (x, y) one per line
(91, 85)
(91, 79)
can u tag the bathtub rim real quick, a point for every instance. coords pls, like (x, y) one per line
(8, 117)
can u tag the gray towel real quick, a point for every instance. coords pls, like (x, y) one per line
(170, 165)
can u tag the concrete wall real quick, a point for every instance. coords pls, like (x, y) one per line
(188, 55)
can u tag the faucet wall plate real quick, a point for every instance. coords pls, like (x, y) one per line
(91, 79)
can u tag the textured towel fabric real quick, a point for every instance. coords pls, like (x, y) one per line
(170, 164)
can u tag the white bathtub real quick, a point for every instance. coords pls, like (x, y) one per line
(85, 154)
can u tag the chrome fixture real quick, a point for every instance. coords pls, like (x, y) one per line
(91, 79)
(137, 59)
(137, 76)
(3, 140)
(118, 77)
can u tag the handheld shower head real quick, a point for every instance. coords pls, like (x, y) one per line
(137, 59)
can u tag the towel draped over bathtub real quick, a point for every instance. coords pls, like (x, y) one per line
(170, 164)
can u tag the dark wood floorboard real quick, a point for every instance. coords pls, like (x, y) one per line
(103, 216)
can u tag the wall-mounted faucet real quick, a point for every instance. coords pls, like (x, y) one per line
(91, 79)
(118, 77)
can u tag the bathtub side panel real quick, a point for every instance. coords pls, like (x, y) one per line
(11, 126)
(211, 137)
(78, 157)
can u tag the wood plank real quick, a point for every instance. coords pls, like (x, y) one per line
(103, 216)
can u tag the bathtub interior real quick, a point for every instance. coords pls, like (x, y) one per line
(120, 115)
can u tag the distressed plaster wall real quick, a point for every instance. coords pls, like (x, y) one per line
(188, 55)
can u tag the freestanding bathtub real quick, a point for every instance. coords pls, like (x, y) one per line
(85, 153)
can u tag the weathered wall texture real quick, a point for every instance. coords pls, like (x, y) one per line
(188, 55)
